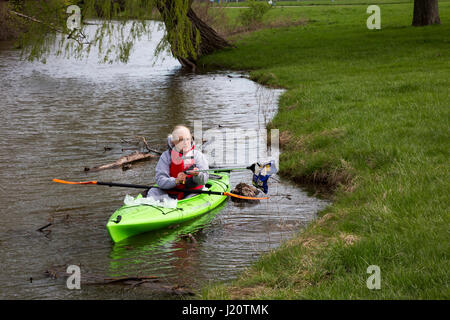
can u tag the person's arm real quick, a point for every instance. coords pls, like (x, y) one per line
(162, 172)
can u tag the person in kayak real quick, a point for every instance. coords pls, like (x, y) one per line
(178, 158)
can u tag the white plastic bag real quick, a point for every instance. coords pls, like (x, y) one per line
(165, 202)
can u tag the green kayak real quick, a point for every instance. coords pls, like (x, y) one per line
(132, 220)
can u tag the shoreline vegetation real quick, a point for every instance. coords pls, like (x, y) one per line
(365, 114)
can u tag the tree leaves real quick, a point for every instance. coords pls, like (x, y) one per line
(120, 24)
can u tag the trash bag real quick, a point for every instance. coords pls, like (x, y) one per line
(165, 202)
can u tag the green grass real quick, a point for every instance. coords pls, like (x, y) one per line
(366, 113)
(319, 2)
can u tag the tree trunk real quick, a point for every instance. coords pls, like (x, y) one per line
(426, 12)
(210, 40)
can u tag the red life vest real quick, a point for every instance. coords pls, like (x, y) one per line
(177, 165)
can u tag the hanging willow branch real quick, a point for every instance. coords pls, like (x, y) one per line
(123, 22)
(75, 34)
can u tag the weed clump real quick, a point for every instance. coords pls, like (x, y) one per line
(255, 13)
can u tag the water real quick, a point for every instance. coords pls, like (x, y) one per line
(57, 118)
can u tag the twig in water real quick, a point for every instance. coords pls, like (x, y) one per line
(41, 229)
(147, 146)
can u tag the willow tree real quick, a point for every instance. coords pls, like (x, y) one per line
(120, 24)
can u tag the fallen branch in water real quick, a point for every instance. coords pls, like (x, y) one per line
(123, 161)
(139, 279)
(59, 272)
(153, 283)
(41, 229)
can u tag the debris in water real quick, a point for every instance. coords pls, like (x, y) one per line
(188, 236)
(153, 283)
(134, 157)
(126, 166)
(45, 232)
(41, 229)
(244, 189)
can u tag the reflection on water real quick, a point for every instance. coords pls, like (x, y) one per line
(57, 119)
(168, 252)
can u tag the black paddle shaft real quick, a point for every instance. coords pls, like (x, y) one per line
(113, 184)
(126, 185)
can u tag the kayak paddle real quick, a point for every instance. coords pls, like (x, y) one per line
(113, 184)
(110, 184)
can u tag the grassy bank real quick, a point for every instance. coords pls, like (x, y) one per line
(366, 113)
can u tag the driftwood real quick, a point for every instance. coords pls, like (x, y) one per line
(124, 161)
(125, 280)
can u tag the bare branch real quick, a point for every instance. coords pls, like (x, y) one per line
(147, 146)
(36, 20)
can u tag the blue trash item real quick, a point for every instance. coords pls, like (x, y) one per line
(262, 173)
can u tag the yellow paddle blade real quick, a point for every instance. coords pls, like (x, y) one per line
(72, 182)
(243, 197)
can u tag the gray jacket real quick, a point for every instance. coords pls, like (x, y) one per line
(163, 178)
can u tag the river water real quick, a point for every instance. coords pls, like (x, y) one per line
(60, 117)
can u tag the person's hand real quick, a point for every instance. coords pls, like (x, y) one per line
(180, 178)
(194, 171)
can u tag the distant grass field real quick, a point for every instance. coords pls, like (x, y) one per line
(318, 2)
(354, 13)
(366, 113)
